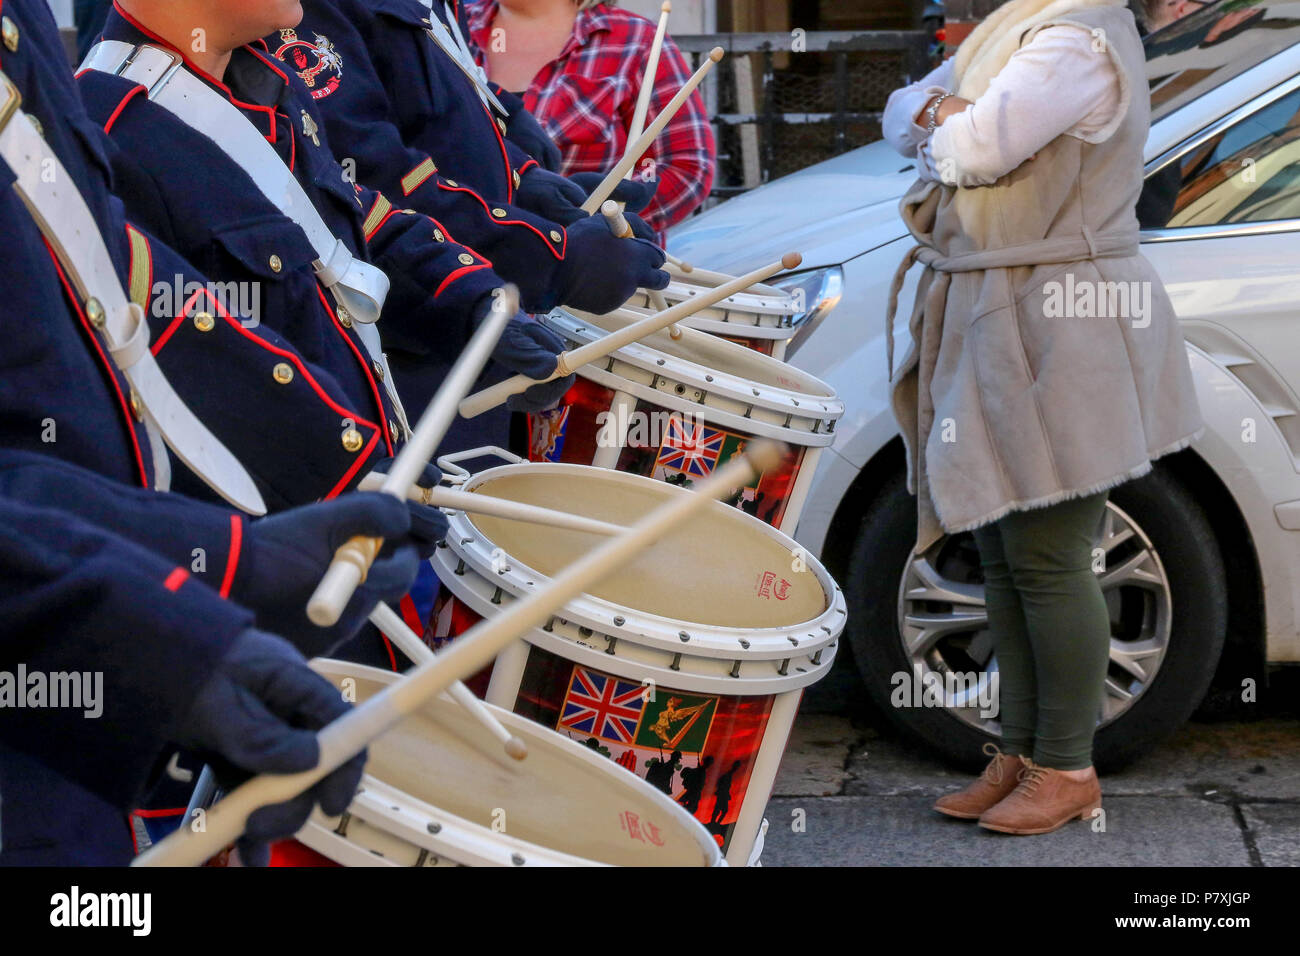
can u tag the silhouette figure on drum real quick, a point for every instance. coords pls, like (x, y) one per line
(722, 794)
(660, 772)
(693, 782)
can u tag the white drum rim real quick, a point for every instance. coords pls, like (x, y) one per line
(709, 279)
(778, 306)
(636, 660)
(456, 835)
(796, 418)
(644, 627)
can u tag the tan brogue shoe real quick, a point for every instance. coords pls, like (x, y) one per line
(996, 782)
(1045, 800)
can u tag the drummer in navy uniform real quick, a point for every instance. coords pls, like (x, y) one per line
(102, 578)
(402, 100)
(440, 291)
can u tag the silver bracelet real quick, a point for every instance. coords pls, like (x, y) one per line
(933, 112)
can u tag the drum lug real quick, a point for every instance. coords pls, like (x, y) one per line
(549, 626)
(517, 859)
(460, 567)
(735, 669)
(433, 828)
(684, 636)
(744, 643)
(784, 668)
(496, 595)
(793, 640)
(344, 819)
(676, 665)
(609, 648)
(817, 658)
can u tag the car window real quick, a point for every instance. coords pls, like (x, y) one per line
(1247, 172)
(1193, 54)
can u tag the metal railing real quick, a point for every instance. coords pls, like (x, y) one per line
(817, 95)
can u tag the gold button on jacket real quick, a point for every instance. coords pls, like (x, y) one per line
(204, 322)
(10, 31)
(352, 440)
(276, 264)
(283, 373)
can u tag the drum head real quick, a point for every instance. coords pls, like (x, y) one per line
(562, 798)
(724, 569)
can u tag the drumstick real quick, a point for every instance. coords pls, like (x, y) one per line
(352, 561)
(568, 362)
(454, 500)
(391, 623)
(643, 142)
(679, 264)
(618, 223)
(359, 727)
(648, 81)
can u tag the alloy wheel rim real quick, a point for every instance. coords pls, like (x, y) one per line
(943, 624)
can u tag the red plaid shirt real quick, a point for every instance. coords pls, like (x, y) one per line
(585, 99)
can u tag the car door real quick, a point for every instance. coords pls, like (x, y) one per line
(1220, 214)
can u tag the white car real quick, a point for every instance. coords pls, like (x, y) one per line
(1202, 557)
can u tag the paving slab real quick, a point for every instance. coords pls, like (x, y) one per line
(1275, 831)
(903, 831)
(814, 759)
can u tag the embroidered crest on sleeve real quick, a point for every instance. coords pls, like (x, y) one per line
(318, 63)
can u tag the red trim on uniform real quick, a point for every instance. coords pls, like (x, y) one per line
(527, 166)
(505, 153)
(388, 646)
(356, 465)
(510, 222)
(232, 559)
(383, 222)
(105, 361)
(365, 368)
(132, 94)
(411, 614)
(457, 274)
(176, 579)
(189, 64)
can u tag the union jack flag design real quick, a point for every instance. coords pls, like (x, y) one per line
(691, 447)
(602, 706)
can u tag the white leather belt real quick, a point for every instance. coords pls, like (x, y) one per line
(359, 288)
(61, 214)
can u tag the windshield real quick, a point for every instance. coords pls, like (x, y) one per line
(1207, 48)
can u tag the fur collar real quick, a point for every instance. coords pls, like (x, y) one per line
(993, 42)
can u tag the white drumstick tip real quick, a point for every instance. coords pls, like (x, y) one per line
(666, 7)
(516, 748)
(716, 54)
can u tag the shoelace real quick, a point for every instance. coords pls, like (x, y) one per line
(1031, 776)
(994, 771)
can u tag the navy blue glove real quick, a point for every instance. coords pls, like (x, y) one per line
(529, 348)
(551, 196)
(634, 193)
(524, 131)
(428, 524)
(640, 228)
(259, 713)
(287, 555)
(600, 272)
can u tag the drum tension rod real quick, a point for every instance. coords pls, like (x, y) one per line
(735, 669)
(609, 648)
(676, 665)
(784, 668)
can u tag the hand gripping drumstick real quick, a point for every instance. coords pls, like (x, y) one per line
(352, 561)
(643, 142)
(391, 623)
(622, 228)
(472, 504)
(568, 362)
(357, 729)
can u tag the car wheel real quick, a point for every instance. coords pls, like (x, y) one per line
(919, 633)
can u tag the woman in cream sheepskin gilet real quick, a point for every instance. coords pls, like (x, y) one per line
(1046, 364)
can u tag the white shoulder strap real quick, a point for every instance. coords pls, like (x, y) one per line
(359, 288)
(452, 42)
(61, 214)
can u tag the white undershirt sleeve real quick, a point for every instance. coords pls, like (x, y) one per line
(1057, 83)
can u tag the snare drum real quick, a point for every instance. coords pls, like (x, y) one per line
(760, 318)
(440, 791)
(684, 668)
(675, 409)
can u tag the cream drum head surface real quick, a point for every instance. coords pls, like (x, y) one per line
(441, 783)
(711, 573)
